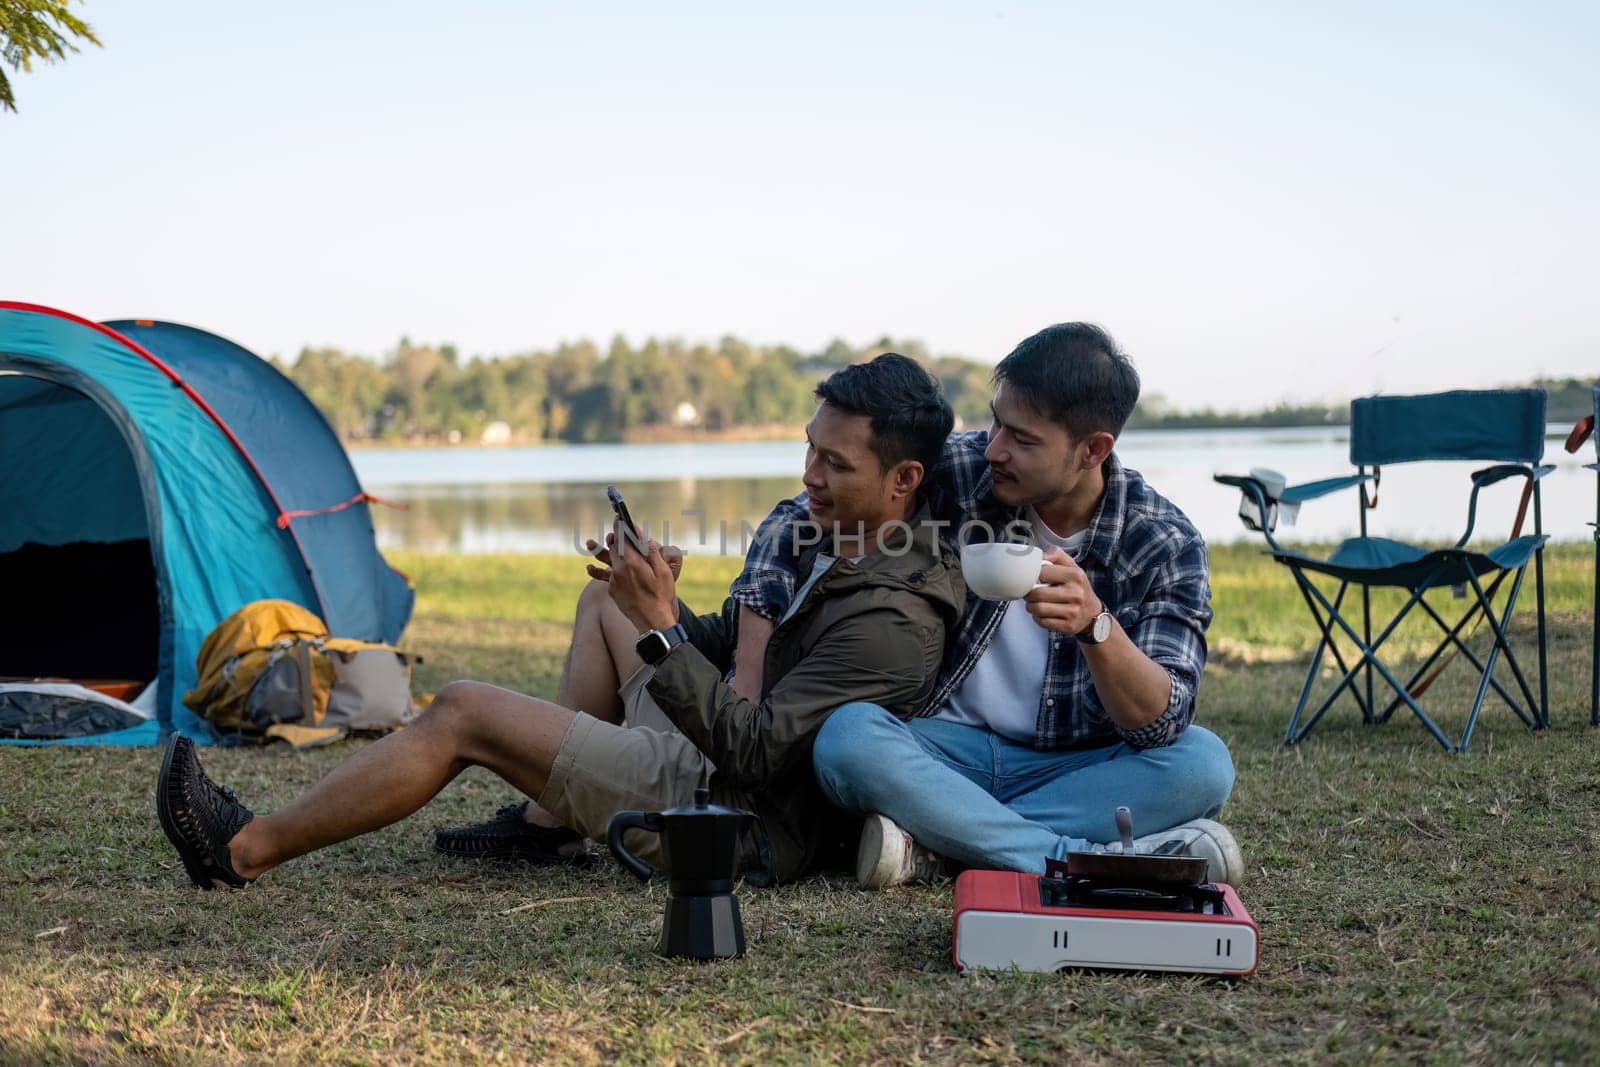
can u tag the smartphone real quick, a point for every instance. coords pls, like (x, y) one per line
(620, 508)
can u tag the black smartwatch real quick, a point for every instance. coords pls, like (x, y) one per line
(653, 645)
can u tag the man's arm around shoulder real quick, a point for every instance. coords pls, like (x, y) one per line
(876, 655)
(768, 579)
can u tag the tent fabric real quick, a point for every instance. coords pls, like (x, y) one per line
(1500, 425)
(52, 499)
(209, 512)
(301, 458)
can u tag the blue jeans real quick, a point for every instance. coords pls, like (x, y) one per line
(986, 801)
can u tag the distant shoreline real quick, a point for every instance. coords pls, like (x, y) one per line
(645, 436)
(748, 434)
(1556, 428)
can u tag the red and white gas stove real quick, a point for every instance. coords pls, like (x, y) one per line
(1059, 920)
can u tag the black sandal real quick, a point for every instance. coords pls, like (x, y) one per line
(199, 816)
(508, 836)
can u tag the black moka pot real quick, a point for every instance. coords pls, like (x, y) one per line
(699, 849)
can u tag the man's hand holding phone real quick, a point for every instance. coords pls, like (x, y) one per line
(619, 508)
(643, 575)
(632, 536)
(602, 554)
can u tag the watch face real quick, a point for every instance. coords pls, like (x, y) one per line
(652, 646)
(1102, 626)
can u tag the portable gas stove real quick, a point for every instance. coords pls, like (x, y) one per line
(1058, 920)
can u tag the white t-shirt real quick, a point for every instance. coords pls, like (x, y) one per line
(822, 565)
(818, 569)
(1002, 692)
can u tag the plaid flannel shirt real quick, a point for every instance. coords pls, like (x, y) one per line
(1141, 554)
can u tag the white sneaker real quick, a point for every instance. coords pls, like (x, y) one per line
(1198, 837)
(887, 856)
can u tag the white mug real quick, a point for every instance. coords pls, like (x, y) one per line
(998, 570)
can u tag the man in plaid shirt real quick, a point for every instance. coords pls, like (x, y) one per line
(1052, 710)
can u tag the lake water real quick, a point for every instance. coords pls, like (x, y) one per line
(542, 499)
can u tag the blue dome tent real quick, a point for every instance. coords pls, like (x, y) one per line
(153, 479)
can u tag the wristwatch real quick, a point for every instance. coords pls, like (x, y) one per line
(1099, 627)
(653, 645)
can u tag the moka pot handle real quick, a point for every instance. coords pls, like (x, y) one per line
(649, 821)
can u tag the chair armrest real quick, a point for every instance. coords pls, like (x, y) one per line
(1256, 492)
(1299, 494)
(1502, 471)
(1240, 481)
(1251, 487)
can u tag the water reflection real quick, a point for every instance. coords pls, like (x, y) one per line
(474, 500)
(534, 517)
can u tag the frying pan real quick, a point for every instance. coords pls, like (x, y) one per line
(1129, 866)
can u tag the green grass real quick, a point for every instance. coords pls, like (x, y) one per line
(1412, 905)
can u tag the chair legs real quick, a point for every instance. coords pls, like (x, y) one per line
(1366, 631)
(1452, 637)
(1594, 626)
(1534, 712)
(1544, 658)
(1500, 644)
(1594, 656)
(1371, 662)
(1324, 644)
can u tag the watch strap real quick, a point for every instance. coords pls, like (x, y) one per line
(1086, 635)
(654, 645)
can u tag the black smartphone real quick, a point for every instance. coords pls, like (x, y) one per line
(619, 507)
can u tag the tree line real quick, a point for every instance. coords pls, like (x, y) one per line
(665, 388)
(577, 393)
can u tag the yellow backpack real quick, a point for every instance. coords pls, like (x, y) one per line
(271, 672)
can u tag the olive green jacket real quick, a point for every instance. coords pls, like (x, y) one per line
(873, 630)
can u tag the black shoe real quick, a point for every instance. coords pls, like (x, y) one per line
(199, 816)
(508, 836)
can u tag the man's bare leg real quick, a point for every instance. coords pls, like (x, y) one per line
(468, 724)
(600, 658)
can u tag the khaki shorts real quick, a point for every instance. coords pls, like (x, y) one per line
(645, 765)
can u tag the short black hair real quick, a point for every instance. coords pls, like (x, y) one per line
(1073, 373)
(910, 416)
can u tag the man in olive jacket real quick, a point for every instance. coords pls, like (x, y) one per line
(880, 593)
(875, 624)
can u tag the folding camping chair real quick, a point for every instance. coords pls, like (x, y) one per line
(1581, 433)
(1505, 427)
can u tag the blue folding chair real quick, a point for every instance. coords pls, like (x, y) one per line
(1504, 427)
(1581, 433)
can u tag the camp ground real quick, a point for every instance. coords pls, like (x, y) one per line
(496, 258)
(157, 478)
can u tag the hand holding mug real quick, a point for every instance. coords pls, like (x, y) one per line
(1065, 602)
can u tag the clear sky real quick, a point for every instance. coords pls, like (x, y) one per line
(1261, 201)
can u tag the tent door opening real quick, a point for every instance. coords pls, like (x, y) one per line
(81, 597)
